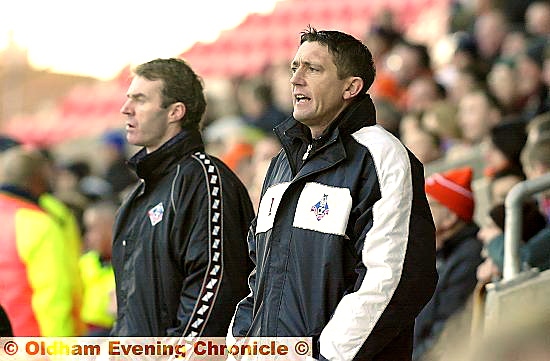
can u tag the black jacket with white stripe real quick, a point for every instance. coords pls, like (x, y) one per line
(179, 250)
(343, 243)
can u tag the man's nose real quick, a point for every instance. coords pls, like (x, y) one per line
(125, 109)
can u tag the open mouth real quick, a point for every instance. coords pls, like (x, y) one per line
(300, 98)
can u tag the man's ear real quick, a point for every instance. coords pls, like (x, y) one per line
(176, 112)
(354, 87)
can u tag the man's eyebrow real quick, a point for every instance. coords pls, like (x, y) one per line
(306, 63)
(136, 96)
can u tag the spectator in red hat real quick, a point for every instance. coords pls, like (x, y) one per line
(458, 253)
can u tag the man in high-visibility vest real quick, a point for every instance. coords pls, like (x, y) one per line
(37, 288)
(96, 269)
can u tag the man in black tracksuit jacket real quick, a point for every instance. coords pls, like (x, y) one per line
(343, 243)
(179, 250)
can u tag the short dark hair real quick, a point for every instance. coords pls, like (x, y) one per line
(351, 56)
(181, 84)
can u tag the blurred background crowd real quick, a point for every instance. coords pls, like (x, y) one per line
(464, 84)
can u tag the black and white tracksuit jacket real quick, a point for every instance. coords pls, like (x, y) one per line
(343, 243)
(180, 252)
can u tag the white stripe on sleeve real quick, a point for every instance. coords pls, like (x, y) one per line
(383, 252)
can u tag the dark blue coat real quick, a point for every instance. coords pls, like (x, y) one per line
(457, 263)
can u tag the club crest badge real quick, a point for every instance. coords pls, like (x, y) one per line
(320, 209)
(155, 214)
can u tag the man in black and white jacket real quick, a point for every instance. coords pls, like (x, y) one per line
(343, 243)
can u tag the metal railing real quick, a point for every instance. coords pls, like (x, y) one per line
(513, 222)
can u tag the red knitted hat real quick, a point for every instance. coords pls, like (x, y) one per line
(453, 190)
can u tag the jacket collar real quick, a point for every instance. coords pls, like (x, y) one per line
(292, 133)
(357, 115)
(153, 166)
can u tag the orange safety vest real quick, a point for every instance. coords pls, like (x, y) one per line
(35, 288)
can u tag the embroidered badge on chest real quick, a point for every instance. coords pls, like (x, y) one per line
(320, 209)
(155, 214)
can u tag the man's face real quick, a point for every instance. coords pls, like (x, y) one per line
(489, 32)
(98, 233)
(422, 145)
(407, 65)
(489, 231)
(443, 220)
(147, 123)
(474, 117)
(502, 81)
(317, 91)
